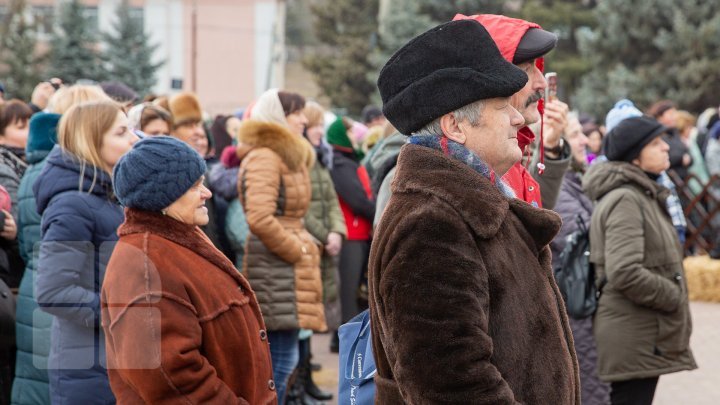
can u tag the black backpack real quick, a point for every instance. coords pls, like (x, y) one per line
(575, 275)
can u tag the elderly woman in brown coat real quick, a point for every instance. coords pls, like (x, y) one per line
(282, 259)
(182, 325)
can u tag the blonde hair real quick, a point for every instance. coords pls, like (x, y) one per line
(314, 113)
(81, 130)
(67, 97)
(684, 120)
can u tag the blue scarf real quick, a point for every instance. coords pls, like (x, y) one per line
(459, 152)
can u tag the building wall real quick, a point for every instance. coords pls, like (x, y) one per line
(233, 41)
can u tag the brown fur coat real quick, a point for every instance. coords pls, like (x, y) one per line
(463, 303)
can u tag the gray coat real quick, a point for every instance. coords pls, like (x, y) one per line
(571, 203)
(642, 324)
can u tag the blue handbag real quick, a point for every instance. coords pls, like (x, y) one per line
(357, 364)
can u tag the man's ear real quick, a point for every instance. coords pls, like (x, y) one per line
(451, 128)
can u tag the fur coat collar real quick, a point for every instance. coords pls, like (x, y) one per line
(188, 236)
(472, 195)
(294, 150)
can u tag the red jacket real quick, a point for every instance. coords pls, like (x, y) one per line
(358, 227)
(507, 32)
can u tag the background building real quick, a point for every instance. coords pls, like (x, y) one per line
(228, 51)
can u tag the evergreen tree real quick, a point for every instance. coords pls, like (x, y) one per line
(22, 65)
(400, 22)
(440, 11)
(647, 51)
(343, 66)
(73, 55)
(129, 54)
(564, 18)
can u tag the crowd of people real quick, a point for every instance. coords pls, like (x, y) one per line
(153, 254)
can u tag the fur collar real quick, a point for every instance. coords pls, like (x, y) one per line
(482, 206)
(294, 150)
(188, 236)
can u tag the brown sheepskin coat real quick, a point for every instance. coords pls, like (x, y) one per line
(182, 325)
(464, 307)
(282, 259)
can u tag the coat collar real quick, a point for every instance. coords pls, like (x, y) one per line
(481, 205)
(294, 150)
(188, 236)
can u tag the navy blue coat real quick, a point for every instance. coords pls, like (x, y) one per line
(79, 225)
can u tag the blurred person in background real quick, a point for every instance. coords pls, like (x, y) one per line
(33, 326)
(80, 217)
(665, 112)
(373, 116)
(325, 222)
(688, 134)
(352, 185)
(151, 119)
(14, 118)
(594, 134)
(120, 93)
(642, 325)
(282, 259)
(42, 93)
(187, 119)
(223, 132)
(181, 324)
(571, 204)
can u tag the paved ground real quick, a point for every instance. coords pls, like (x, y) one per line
(699, 387)
(327, 377)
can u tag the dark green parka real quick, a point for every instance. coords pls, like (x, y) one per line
(642, 325)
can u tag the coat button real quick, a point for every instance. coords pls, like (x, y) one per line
(263, 334)
(271, 385)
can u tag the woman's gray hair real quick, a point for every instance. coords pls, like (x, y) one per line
(469, 112)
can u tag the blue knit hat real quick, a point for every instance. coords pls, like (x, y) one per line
(43, 132)
(622, 110)
(156, 172)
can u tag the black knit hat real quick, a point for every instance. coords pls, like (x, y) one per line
(441, 70)
(630, 136)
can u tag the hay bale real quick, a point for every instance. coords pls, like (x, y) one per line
(703, 278)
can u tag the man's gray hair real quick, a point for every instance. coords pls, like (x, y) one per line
(470, 112)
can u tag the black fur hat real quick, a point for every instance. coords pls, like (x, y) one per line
(441, 70)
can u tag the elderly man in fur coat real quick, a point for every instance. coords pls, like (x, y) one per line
(464, 308)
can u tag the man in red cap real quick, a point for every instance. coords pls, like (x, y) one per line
(524, 44)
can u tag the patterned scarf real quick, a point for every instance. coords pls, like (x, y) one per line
(459, 152)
